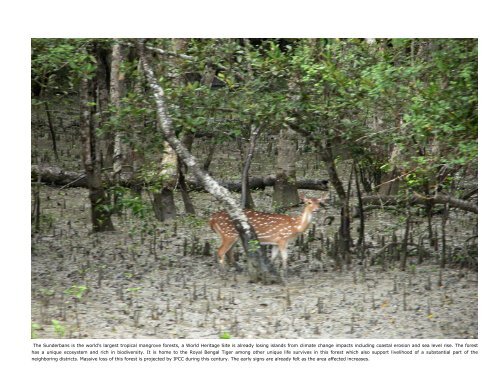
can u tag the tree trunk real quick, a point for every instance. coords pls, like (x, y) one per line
(163, 200)
(331, 168)
(46, 110)
(259, 267)
(180, 45)
(116, 93)
(51, 129)
(361, 239)
(404, 245)
(164, 204)
(35, 216)
(135, 156)
(102, 92)
(285, 188)
(325, 151)
(246, 197)
(172, 167)
(99, 202)
(210, 155)
(389, 185)
(345, 219)
(187, 140)
(345, 222)
(390, 181)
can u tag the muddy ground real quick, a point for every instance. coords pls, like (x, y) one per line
(152, 280)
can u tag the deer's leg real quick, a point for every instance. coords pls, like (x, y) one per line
(230, 256)
(227, 244)
(274, 252)
(284, 256)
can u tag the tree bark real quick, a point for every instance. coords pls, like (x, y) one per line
(99, 202)
(164, 204)
(259, 266)
(389, 185)
(344, 231)
(187, 140)
(163, 200)
(331, 168)
(173, 169)
(102, 99)
(46, 109)
(180, 45)
(285, 188)
(51, 130)
(246, 198)
(361, 239)
(116, 93)
(210, 155)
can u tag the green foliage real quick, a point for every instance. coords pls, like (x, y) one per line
(59, 329)
(133, 289)
(253, 245)
(225, 335)
(47, 292)
(34, 328)
(136, 205)
(126, 199)
(57, 65)
(421, 92)
(46, 222)
(361, 99)
(193, 222)
(76, 291)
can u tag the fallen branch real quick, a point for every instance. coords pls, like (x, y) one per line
(58, 177)
(68, 179)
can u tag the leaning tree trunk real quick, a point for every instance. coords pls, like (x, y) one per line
(172, 168)
(285, 188)
(259, 267)
(99, 202)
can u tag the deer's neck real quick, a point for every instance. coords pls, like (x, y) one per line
(304, 220)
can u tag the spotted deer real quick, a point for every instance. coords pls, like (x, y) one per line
(271, 228)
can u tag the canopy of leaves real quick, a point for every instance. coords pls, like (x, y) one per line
(363, 99)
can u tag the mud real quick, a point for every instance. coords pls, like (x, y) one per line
(151, 280)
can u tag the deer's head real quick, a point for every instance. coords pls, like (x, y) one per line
(313, 203)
